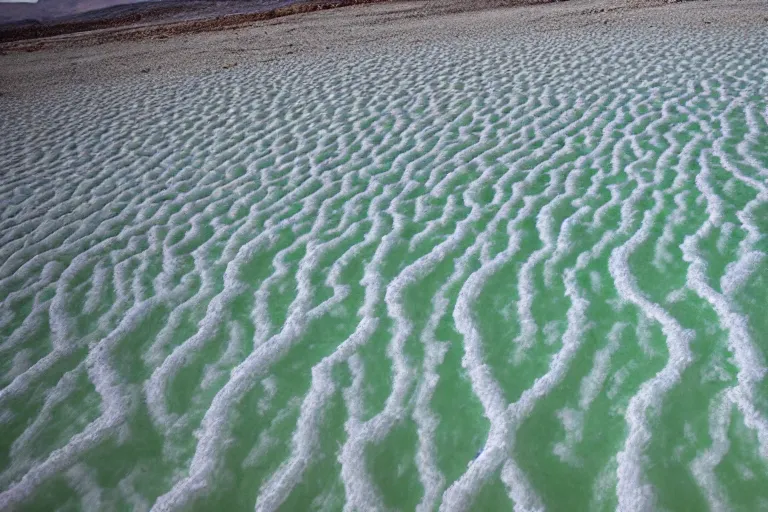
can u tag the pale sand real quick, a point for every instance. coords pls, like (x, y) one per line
(56, 64)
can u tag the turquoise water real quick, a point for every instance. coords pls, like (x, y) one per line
(507, 271)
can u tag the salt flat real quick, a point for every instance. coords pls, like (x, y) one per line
(390, 257)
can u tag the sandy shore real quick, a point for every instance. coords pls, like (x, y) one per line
(137, 18)
(29, 68)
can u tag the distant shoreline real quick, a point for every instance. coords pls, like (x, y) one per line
(158, 19)
(163, 19)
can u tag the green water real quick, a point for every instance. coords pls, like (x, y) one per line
(518, 272)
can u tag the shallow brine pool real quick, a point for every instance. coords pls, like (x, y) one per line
(524, 269)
